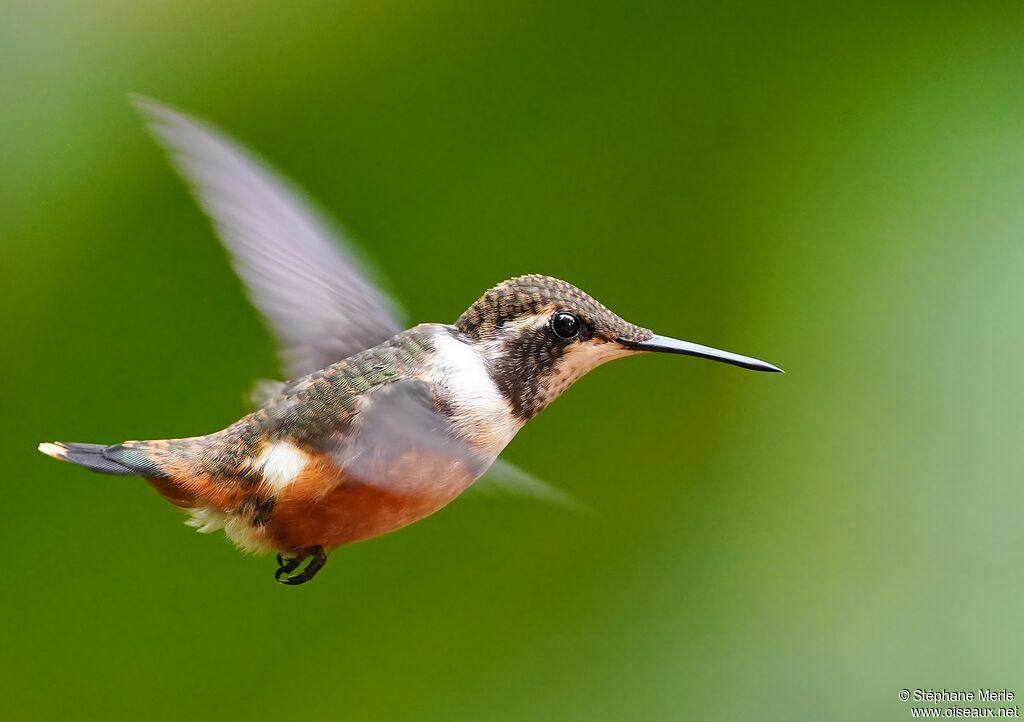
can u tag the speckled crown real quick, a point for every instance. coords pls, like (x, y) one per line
(536, 294)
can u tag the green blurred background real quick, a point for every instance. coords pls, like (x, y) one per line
(839, 190)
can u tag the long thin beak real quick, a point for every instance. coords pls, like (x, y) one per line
(665, 344)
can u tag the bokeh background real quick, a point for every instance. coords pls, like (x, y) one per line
(837, 189)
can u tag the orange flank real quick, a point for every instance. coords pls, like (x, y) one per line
(328, 507)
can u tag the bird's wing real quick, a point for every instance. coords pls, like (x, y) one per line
(314, 295)
(401, 440)
(506, 479)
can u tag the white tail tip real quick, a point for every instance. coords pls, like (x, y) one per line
(57, 451)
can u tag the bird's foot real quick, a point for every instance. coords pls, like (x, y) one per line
(286, 565)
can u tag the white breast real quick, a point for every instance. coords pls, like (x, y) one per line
(479, 410)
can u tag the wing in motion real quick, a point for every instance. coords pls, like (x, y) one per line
(506, 479)
(317, 301)
(402, 443)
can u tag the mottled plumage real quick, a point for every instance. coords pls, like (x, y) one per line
(379, 427)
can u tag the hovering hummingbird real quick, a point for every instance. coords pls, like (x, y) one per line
(380, 427)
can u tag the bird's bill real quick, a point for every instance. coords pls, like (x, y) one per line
(665, 344)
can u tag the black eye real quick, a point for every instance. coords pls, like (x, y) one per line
(565, 325)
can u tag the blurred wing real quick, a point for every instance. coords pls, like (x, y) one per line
(400, 442)
(263, 390)
(506, 479)
(317, 301)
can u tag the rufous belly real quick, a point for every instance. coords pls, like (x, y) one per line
(329, 507)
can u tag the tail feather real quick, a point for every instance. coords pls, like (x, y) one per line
(94, 457)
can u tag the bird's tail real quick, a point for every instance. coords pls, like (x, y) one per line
(117, 459)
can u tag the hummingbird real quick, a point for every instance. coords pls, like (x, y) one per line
(378, 427)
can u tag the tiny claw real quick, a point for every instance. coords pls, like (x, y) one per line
(286, 566)
(300, 578)
(316, 563)
(282, 571)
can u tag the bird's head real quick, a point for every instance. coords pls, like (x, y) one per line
(539, 335)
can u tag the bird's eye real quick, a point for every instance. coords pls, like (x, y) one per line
(565, 325)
